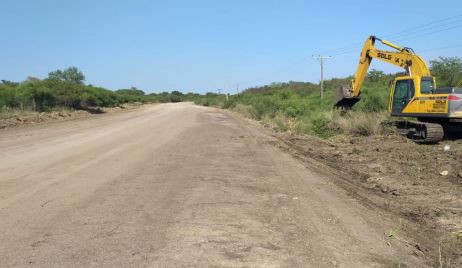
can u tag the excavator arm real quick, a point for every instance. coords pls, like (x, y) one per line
(402, 57)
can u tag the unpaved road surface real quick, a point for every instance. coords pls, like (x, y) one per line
(178, 185)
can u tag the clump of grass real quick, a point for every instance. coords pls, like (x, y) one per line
(280, 122)
(359, 123)
(449, 249)
(301, 126)
(245, 110)
(283, 123)
(7, 112)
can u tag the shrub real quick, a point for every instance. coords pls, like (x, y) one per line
(320, 126)
(291, 111)
(229, 104)
(245, 110)
(279, 122)
(8, 96)
(372, 103)
(302, 126)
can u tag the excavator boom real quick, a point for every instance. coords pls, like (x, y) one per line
(402, 57)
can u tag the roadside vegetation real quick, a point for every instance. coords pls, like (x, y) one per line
(66, 90)
(298, 108)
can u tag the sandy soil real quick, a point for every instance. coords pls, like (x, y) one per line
(176, 185)
(422, 183)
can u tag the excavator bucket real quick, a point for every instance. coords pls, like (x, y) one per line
(344, 98)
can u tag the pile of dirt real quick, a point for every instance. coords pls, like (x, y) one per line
(423, 183)
(18, 118)
(34, 117)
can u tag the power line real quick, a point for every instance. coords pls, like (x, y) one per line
(426, 50)
(392, 35)
(409, 37)
(406, 34)
(423, 30)
(409, 32)
(430, 32)
(439, 48)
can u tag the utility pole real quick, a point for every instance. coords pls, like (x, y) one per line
(321, 60)
(219, 91)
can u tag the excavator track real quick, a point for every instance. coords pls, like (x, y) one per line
(421, 132)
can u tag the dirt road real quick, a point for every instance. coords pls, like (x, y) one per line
(178, 185)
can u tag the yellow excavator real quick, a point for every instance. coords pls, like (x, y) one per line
(413, 94)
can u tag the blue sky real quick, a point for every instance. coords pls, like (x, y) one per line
(203, 45)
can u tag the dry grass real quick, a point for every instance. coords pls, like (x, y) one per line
(7, 113)
(359, 123)
(245, 110)
(279, 122)
(323, 124)
(449, 248)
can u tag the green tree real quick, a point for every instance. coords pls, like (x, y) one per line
(9, 83)
(133, 91)
(8, 96)
(71, 74)
(448, 70)
(376, 75)
(176, 96)
(131, 95)
(37, 95)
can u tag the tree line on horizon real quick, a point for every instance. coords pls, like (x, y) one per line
(67, 89)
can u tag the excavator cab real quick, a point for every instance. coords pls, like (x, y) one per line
(412, 96)
(402, 91)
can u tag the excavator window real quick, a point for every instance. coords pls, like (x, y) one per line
(426, 86)
(404, 89)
